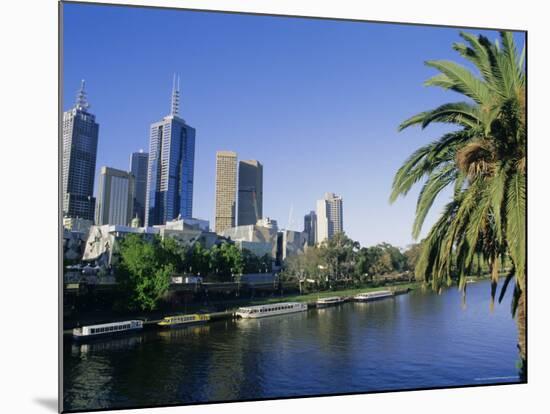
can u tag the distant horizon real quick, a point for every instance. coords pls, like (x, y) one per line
(317, 102)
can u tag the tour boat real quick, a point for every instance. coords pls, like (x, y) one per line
(106, 329)
(183, 320)
(262, 311)
(381, 294)
(334, 300)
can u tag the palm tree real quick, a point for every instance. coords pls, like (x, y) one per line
(484, 159)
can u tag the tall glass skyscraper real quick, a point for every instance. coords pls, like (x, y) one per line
(80, 134)
(171, 167)
(138, 168)
(310, 228)
(251, 193)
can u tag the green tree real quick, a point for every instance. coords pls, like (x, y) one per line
(340, 254)
(144, 271)
(412, 254)
(396, 258)
(484, 160)
(199, 260)
(172, 252)
(226, 261)
(375, 260)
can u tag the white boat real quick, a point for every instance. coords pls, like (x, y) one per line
(262, 311)
(95, 331)
(334, 300)
(380, 294)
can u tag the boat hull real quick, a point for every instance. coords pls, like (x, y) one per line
(372, 299)
(268, 314)
(183, 324)
(86, 338)
(326, 305)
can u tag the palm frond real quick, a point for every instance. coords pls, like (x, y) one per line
(515, 223)
(464, 81)
(431, 189)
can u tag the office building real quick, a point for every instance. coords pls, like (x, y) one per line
(226, 187)
(310, 228)
(171, 167)
(250, 200)
(80, 135)
(138, 168)
(115, 197)
(329, 217)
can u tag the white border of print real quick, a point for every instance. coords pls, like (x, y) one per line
(29, 171)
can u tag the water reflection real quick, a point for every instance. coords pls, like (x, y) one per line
(173, 334)
(106, 344)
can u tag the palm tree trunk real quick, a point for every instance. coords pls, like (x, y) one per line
(522, 345)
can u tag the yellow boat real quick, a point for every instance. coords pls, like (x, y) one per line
(183, 320)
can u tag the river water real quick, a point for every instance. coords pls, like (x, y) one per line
(411, 341)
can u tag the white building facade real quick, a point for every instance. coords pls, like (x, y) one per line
(330, 219)
(115, 198)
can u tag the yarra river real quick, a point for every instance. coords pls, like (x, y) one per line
(411, 341)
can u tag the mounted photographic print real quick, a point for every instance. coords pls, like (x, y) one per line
(258, 207)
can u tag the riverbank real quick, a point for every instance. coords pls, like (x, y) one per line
(227, 305)
(313, 296)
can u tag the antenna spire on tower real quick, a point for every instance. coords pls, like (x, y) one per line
(174, 110)
(81, 99)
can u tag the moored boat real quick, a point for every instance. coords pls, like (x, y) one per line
(262, 311)
(106, 329)
(368, 296)
(177, 321)
(334, 300)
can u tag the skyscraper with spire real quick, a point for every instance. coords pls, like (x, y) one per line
(80, 135)
(171, 166)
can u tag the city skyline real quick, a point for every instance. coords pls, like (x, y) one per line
(288, 109)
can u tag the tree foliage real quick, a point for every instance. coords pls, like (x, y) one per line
(343, 258)
(144, 270)
(483, 160)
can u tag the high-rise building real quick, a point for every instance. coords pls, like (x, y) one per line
(80, 135)
(171, 167)
(250, 192)
(310, 228)
(329, 217)
(226, 188)
(138, 168)
(115, 197)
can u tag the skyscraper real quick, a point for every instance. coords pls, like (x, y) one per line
(171, 167)
(250, 192)
(138, 168)
(115, 197)
(226, 187)
(80, 134)
(310, 228)
(329, 217)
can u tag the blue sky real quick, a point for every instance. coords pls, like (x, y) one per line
(317, 102)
